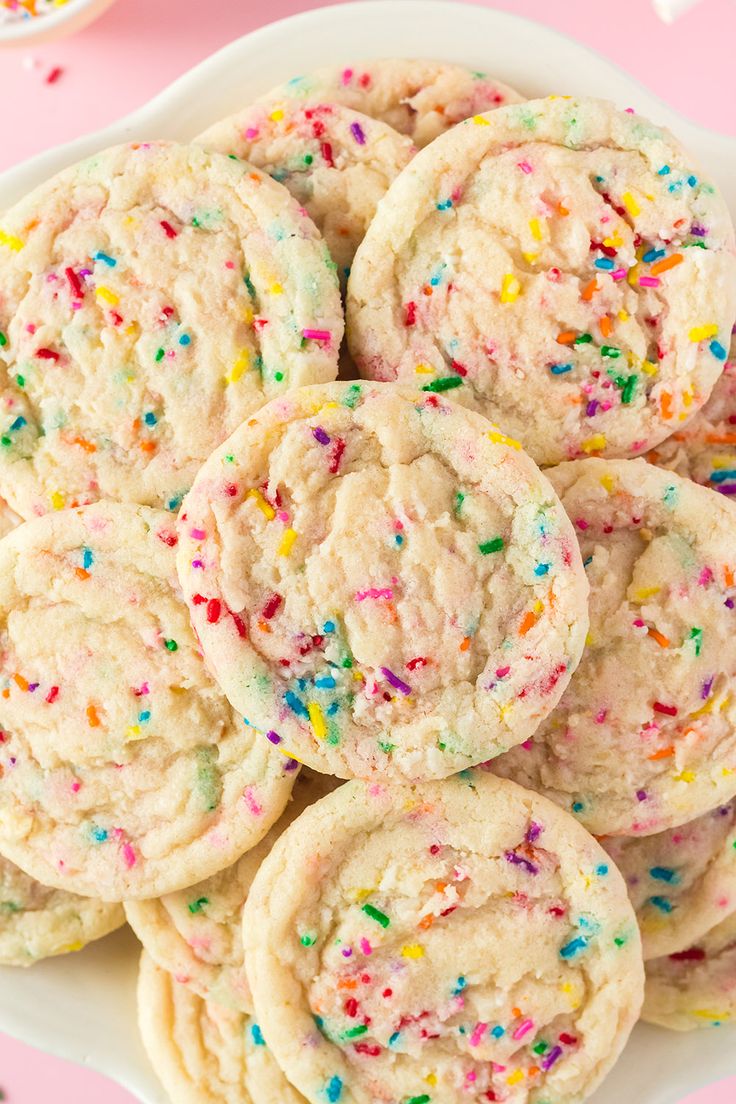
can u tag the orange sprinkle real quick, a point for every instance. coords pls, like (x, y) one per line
(516, 1012)
(659, 637)
(93, 719)
(347, 983)
(663, 753)
(528, 620)
(148, 446)
(88, 446)
(532, 1071)
(21, 682)
(728, 576)
(566, 337)
(440, 886)
(427, 290)
(426, 922)
(81, 573)
(606, 326)
(588, 291)
(562, 210)
(721, 438)
(666, 264)
(465, 644)
(264, 626)
(666, 404)
(6, 693)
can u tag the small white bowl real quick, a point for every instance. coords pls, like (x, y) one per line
(72, 16)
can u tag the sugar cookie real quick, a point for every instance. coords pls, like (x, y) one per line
(696, 988)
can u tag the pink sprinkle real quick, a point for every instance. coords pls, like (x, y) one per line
(250, 801)
(471, 1075)
(501, 672)
(251, 132)
(582, 523)
(525, 167)
(478, 1032)
(649, 281)
(366, 947)
(317, 335)
(705, 577)
(374, 592)
(128, 855)
(76, 786)
(347, 75)
(523, 1029)
(229, 264)
(619, 274)
(197, 534)
(601, 716)
(54, 75)
(282, 515)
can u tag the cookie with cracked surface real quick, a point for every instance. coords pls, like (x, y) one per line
(37, 922)
(151, 298)
(562, 267)
(644, 738)
(407, 592)
(454, 941)
(124, 772)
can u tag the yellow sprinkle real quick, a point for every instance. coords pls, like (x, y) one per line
(499, 438)
(287, 542)
(11, 241)
(720, 462)
(725, 703)
(431, 1079)
(702, 333)
(710, 1014)
(536, 229)
(423, 370)
(248, 315)
(623, 316)
(277, 115)
(630, 204)
(276, 289)
(538, 607)
(707, 708)
(290, 755)
(687, 397)
(133, 732)
(633, 276)
(530, 258)
(649, 368)
(480, 121)
(606, 481)
(239, 367)
(588, 639)
(316, 718)
(58, 501)
(614, 241)
(510, 288)
(685, 776)
(594, 443)
(132, 329)
(359, 676)
(515, 1078)
(646, 592)
(726, 771)
(71, 948)
(412, 950)
(107, 296)
(265, 507)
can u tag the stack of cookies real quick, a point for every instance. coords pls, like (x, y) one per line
(396, 713)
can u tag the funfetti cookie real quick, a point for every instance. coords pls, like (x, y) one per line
(8, 518)
(417, 97)
(449, 942)
(681, 882)
(151, 298)
(644, 738)
(559, 265)
(336, 162)
(382, 581)
(196, 933)
(705, 448)
(37, 922)
(201, 1052)
(123, 770)
(697, 987)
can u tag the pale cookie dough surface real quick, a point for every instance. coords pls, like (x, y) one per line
(416, 97)
(123, 770)
(558, 265)
(705, 448)
(8, 518)
(201, 1052)
(409, 590)
(644, 738)
(681, 882)
(336, 162)
(449, 942)
(196, 933)
(151, 298)
(696, 988)
(38, 922)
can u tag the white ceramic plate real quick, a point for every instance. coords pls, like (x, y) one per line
(82, 1007)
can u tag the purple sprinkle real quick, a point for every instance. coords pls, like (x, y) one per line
(726, 488)
(591, 408)
(33, 686)
(291, 765)
(698, 231)
(641, 795)
(320, 435)
(395, 681)
(347, 952)
(533, 832)
(357, 133)
(551, 1058)
(706, 688)
(729, 603)
(273, 737)
(519, 860)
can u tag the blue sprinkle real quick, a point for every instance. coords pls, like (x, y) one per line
(109, 261)
(670, 497)
(332, 709)
(334, 1089)
(560, 369)
(692, 181)
(185, 339)
(18, 423)
(574, 947)
(150, 418)
(541, 569)
(175, 502)
(675, 187)
(602, 870)
(399, 539)
(497, 1032)
(145, 716)
(326, 682)
(257, 1035)
(328, 627)
(605, 263)
(662, 903)
(577, 806)
(664, 874)
(99, 835)
(588, 562)
(653, 255)
(444, 205)
(87, 558)
(717, 350)
(664, 171)
(725, 475)
(460, 984)
(394, 1038)
(296, 704)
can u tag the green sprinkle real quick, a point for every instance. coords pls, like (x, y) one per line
(278, 376)
(610, 351)
(629, 389)
(352, 396)
(171, 646)
(620, 941)
(308, 940)
(195, 221)
(209, 782)
(160, 354)
(388, 748)
(308, 158)
(583, 339)
(5, 440)
(494, 545)
(376, 914)
(696, 635)
(424, 1099)
(198, 905)
(229, 459)
(20, 380)
(3, 339)
(347, 661)
(249, 285)
(540, 1047)
(670, 497)
(445, 383)
(354, 1032)
(459, 499)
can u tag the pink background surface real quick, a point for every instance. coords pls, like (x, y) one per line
(139, 46)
